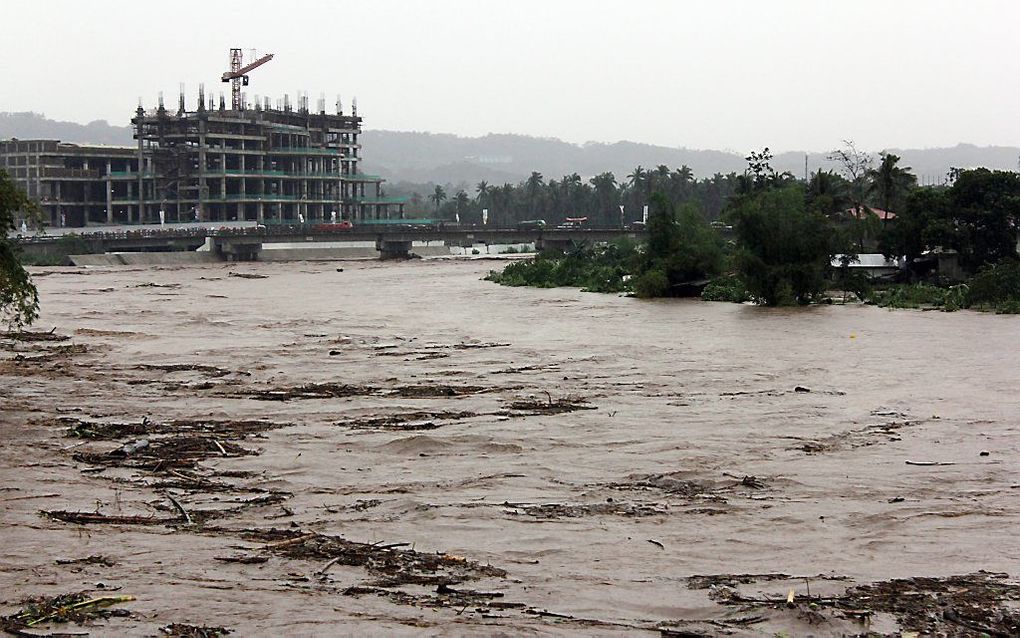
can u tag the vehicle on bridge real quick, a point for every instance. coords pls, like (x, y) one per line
(574, 223)
(531, 224)
(332, 228)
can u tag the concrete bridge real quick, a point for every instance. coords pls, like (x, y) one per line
(246, 243)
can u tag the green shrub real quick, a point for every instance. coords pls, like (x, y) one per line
(1008, 307)
(726, 288)
(784, 250)
(602, 268)
(919, 295)
(652, 283)
(996, 287)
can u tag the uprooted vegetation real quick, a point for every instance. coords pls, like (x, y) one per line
(161, 455)
(888, 430)
(165, 446)
(707, 496)
(418, 420)
(981, 603)
(183, 630)
(38, 354)
(343, 390)
(533, 405)
(180, 518)
(28, 335)
(212, 371)
(108, 430)
(170, 455)
(78, 608)
(407, 421)
(553, 511)
(389, 565)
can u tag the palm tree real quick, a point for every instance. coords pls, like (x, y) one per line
(637, 178)
(682, 180)
(828, 192)
(483, 191)
(506, 198)
(461, 199)
(533, 186)
(890, 183)
(606, 193)
(438, 196)
(573, 192)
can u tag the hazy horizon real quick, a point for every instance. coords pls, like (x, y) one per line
(731, 76)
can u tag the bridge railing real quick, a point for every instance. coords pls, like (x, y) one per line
(315, 227)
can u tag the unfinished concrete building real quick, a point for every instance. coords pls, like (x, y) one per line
(273, 165)
(73, 184)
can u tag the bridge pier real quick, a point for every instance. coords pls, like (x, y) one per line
(238, 249)
(393, 248)
(558, 244)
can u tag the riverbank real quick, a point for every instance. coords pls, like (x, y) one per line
(486, 459)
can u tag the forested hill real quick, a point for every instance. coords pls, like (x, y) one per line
(28, 126)
(441, 159)
(499, 158)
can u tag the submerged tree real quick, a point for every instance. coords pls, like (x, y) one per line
(682, 249)
(784, 250)
(19, 300)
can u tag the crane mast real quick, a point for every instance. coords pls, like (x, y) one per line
(238, 75)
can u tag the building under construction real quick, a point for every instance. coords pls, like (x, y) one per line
(286, 164)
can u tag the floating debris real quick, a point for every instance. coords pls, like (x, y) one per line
(182, 630)
(75, 608)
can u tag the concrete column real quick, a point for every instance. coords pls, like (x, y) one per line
(60, 206)
(203, 186)
(141, 175)
(109, 194)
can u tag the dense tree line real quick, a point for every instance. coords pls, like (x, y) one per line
(788, 233)
(598, 198)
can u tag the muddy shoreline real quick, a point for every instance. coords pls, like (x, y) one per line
(402, 448)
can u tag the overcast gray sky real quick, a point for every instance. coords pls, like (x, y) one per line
(736, 75)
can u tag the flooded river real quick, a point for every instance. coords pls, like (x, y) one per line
(402, 448)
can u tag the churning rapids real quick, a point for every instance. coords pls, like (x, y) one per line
(399, 448)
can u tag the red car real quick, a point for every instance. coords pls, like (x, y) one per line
(332, 228)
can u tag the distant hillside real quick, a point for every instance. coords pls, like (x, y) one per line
(37, 126)
(930, 164)
(424, 157)
(497, 158)
(429, 157)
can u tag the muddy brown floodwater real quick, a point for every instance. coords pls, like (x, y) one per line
(402, 448)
